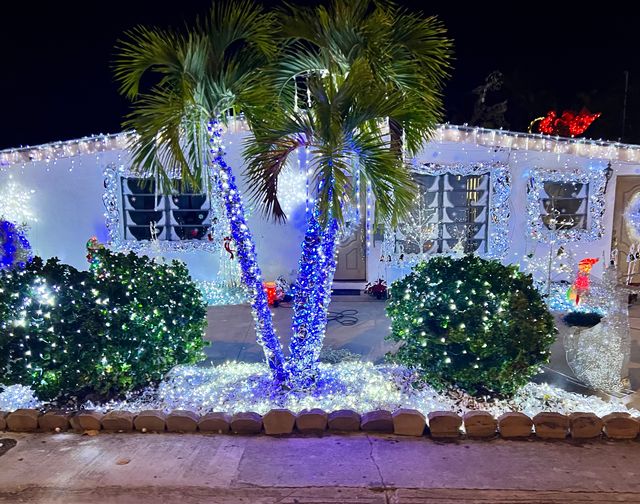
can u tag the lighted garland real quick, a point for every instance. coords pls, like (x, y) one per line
(471, 323)
(223, 178)
(596, 178)
(14, 246)
(311, 299)
(632, 217)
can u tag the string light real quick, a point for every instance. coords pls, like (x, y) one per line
(362, 386)
(219, 294)
(119, 326)
(16, 205)
(312, 295)
(583, 147)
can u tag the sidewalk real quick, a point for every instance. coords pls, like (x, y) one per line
(151, 468)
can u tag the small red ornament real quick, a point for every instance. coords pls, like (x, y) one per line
(569, 124)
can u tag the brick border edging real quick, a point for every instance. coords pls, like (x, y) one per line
(404, 422)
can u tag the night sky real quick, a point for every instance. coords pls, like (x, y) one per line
(56, 82)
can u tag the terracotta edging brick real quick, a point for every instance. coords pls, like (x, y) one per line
(377, 421)
(278, 421)
(23, 420)
(246, 423)
(118, 421)
(514, 424)
(585, 425)
(480, 424)
(312, 421)
(620, 426)
(150, 421)
(444, 424)
(215, 422)
(3, 420)
(182, 421)
(56, 421)
(404, 422)
(551, 425)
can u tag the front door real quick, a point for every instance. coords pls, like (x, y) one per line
(352, 261)
(626, 187)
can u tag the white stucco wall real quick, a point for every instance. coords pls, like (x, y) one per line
(68, 203)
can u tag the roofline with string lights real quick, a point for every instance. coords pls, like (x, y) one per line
(582, 147)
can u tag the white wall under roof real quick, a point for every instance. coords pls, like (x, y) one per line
(68, 203)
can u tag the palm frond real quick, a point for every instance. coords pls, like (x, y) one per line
(203, 72)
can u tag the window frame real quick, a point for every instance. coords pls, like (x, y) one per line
(114, 205)
(595, 178)
(499, 191)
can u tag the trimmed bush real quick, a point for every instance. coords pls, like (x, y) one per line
(66, 332)
(470, 323)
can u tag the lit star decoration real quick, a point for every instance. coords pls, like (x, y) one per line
(16, 205)
(251, 275)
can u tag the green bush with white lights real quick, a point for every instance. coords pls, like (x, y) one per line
(470, 323)
(97, 334)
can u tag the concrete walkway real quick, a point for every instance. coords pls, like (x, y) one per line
(232, 335)
(159, 468)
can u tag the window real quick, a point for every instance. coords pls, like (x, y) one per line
(567, 204)
(183, 215)
(564, 205)
(451, 210)
(460, 208)
(183, 221)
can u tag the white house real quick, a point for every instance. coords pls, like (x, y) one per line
(491, 191)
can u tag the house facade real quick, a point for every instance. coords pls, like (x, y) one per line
(528, 199)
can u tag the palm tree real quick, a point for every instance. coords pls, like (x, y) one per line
(182, 86)
(364, 64)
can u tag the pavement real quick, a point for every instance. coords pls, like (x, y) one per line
(231, 332)
(233, 337)
(362, 468)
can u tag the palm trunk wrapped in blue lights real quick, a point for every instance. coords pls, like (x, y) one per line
(251, 275)
(312, 296)
(323, 286)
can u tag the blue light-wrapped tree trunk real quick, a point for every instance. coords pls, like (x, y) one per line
(304, 309)
(323, 287)
(312, 297)
(251, 275)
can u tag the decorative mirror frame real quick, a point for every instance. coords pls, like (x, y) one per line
(113, 208)
(499, 212)
(597, 180)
